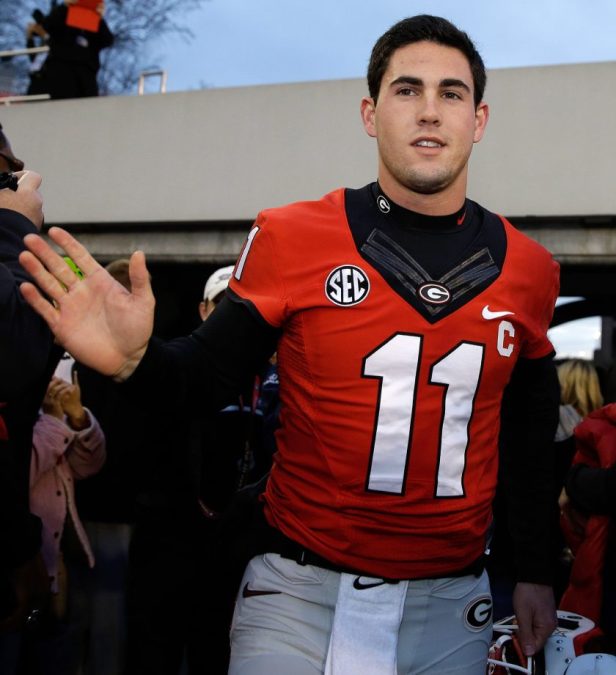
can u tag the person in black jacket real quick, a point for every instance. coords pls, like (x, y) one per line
(71, 68)
(27, 360)
(185, 565)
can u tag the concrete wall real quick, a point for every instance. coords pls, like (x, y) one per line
(550, 148)
(221, 155)
(210, 155)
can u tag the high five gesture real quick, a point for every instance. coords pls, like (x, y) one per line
(95, 318)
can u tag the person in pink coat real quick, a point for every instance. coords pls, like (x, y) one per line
(68, 444)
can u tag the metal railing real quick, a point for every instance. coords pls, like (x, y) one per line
(8, 53)
(25, 98)
(26, 51)
(152, 73)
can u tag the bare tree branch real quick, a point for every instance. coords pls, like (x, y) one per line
(136, 26)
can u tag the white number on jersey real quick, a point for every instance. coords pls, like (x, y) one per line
(395, 363)
(242, 261)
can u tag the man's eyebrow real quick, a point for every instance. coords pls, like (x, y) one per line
(443, 84)
(407, 79)
(452, 82)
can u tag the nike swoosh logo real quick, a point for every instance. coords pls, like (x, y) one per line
(357, 583)
(487, 314)
(251, 593)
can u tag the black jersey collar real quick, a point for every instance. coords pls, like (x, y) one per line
(420, 221)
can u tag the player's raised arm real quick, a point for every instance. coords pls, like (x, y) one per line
(95, 318)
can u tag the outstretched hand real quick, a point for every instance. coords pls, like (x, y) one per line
(96, 320)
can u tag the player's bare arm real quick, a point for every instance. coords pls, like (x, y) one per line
(95, 318)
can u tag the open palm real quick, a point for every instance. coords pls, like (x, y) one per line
(95, 319)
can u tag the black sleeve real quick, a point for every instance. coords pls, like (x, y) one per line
(526, 476)
(26, 362)
(25, 340)
(213, 364)
(592, 490)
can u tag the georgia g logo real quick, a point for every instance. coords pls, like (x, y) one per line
(434, 294)
(478, 613)
(347, 285)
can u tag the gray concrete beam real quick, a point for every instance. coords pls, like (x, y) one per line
(225, 154)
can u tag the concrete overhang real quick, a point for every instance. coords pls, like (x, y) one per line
(183, 175)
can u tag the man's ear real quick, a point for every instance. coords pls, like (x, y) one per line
(482, 114)
(368, 112)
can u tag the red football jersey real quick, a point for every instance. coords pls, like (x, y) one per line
(387, 451)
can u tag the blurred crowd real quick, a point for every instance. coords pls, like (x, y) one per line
(122, 529)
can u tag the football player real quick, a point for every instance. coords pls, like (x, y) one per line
(401, 312)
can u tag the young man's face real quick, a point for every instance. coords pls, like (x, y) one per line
(425, 121)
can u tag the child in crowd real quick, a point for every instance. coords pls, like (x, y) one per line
(68, 444)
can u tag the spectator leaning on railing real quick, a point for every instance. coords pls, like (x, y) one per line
(71, 68)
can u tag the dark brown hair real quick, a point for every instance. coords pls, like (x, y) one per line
(419, 29)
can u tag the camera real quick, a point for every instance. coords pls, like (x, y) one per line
(8, 180)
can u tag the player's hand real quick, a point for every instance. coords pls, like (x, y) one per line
(26, 199)
(96, 320)
(535, 611)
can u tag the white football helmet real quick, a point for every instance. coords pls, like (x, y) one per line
(558, 657)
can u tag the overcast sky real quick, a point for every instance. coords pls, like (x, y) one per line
(246, 42)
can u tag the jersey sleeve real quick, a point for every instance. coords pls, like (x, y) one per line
(257, 279)
(537, 345)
